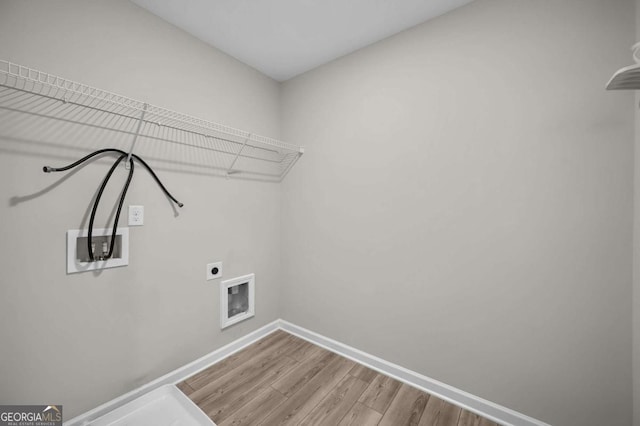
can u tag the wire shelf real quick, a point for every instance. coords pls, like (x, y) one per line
(41, 109)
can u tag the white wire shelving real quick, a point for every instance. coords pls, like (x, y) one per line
(43, 112)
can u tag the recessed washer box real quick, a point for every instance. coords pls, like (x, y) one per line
(237, 300)
(78, 250)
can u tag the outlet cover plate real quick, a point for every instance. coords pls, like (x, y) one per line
(136, 215)
(210, 267)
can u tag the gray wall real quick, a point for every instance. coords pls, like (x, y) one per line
(83, 339)
(464, 206)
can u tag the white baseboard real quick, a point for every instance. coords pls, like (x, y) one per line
(488, 409)
(448, 393)
(176, 376)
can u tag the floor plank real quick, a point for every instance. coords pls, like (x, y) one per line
(380, 393)
(304, 371)
(360, 415)
(241, 370)
(337, 403)
(440, 413)
(244, 373)
(270, 342)
(303, 350)
(363, 373)
(406, 408)
(231, 396)
(256, 409)
(302, 402)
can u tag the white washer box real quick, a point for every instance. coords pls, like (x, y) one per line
(237, 300)
(77, 250)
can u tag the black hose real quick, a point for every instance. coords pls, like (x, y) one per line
(157, 180)
(48, 169)
(95, 207)
(124, 194)
(106, 179)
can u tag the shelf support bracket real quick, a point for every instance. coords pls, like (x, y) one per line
(286, 171)
(135, 136)
(233, 163)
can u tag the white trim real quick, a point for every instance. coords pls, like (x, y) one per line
(463, 399)
(178, 375)
(488, 409)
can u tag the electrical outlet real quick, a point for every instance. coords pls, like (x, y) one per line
(136, 215)
(214, 270)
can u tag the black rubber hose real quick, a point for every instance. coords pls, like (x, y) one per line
(124, 194)
(157, 180)
(97, 201)
(48, 169)
(117, 218)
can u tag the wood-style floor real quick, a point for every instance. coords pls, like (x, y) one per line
(283, 379)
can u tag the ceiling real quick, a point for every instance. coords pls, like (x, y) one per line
(284, 38)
